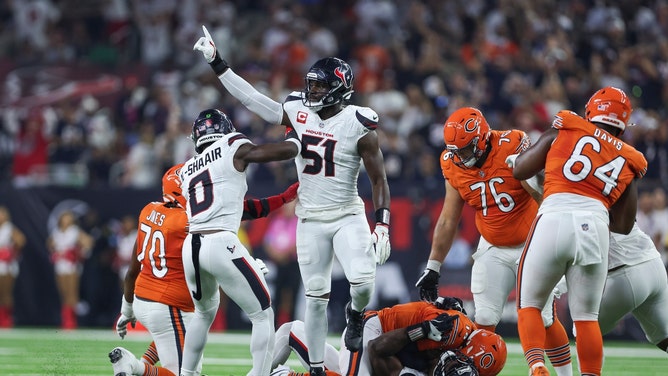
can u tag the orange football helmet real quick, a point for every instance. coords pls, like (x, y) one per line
(465, 134)
(611, 106)
(487, 350)
(171, 186)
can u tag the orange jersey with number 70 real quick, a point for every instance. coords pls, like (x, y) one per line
(160, 237)
(586, 160)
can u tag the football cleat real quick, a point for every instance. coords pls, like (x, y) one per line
(539, 369)
(123, 361)
(281, 370)
(354, 328)
(317, 371)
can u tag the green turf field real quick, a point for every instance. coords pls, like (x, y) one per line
(84, 352)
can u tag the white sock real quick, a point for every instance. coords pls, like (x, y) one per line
(566, 370)
(315, 327)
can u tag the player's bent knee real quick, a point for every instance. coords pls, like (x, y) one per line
(265, 315)
(362, 271)
(317, 286)
(208, 314)
(487, 317)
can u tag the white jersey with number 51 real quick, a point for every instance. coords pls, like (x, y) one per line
(329, 163)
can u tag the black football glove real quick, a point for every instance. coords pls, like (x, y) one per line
(450, 302)
(436, 329)
(428, 284)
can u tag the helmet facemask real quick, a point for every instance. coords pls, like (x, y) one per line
(469, 155)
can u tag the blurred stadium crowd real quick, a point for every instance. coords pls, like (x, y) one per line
(102, 93)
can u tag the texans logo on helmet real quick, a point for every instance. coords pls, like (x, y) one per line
(342, 75)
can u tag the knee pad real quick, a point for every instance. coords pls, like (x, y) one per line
(208, 314)
(266, 315)
(362, 292)
(317, 286)
(487, 317)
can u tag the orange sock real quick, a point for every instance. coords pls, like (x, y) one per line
(491, 328)
(532, 334)
(150, 355)
(589, 344)
(557, 345)
(150, 370)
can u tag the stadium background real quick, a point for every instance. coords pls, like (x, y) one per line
(103, 82)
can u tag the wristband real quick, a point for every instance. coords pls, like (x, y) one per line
(383, 216)
(415, 332)
(434, 265)
(219, 65)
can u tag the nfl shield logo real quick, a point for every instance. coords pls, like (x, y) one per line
(585, 227)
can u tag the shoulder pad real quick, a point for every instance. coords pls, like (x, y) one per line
(235, 137)
(564, 117)
(367, 117)
(524, 143)
(294, 96)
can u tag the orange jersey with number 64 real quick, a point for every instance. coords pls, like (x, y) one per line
(504, 209)
(162, 231)
(586, 160)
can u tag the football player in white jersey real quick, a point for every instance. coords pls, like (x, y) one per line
(336, 139)
(636, 284)
(214, 185)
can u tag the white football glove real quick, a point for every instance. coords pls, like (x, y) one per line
(206, 46)
(127, 316)
(561, 288)
(263, 266)
(510, 160)
(381, 242)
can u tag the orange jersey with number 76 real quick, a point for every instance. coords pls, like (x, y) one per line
(497, 197)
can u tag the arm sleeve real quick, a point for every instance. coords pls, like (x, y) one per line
(255, 208)
(258, 103)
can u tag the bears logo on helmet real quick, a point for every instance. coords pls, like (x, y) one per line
(465, 134)
(487, 350)
(328, 82)
(610, 106)
(210, 125)
(171, 186)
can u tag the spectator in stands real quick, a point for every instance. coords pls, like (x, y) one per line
(31, 155)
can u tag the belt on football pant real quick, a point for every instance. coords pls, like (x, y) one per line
(616, 268)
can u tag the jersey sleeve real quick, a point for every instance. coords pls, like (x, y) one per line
(565, 118)
(367, 117)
